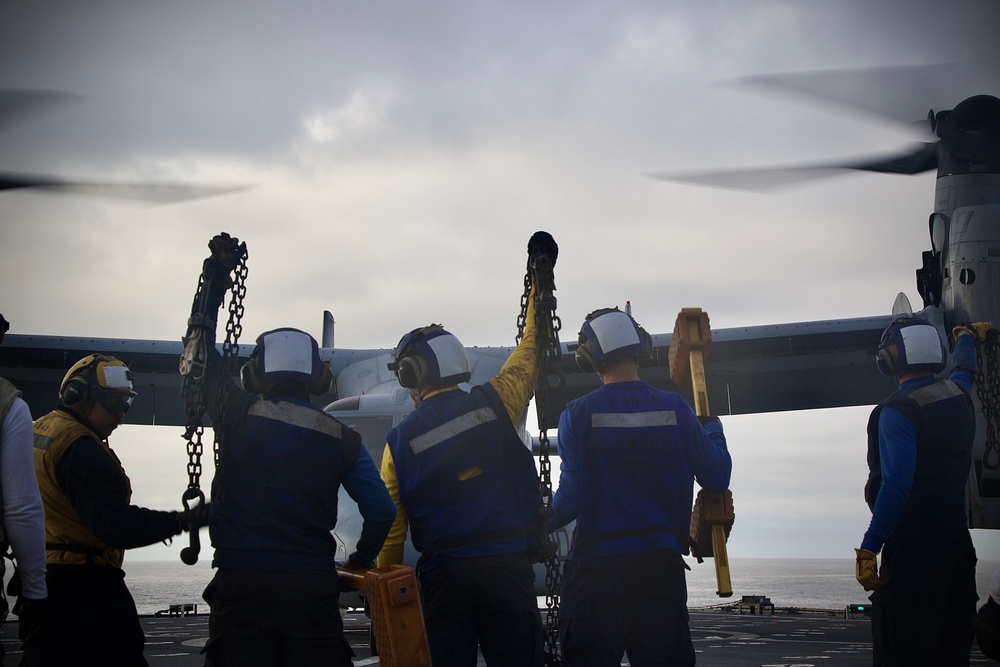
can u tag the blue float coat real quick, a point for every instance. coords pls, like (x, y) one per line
(467, 481)
(512, 388)
(898, 450)
(630, 455)
(283, 461)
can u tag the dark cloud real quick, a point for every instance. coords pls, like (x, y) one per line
(402, 153)
(237, 78)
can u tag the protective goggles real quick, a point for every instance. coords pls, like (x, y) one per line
(115, 402)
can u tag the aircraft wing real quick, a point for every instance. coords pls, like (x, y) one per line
(37, 364)
(770, 368)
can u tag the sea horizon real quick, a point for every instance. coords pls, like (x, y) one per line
(801, 583)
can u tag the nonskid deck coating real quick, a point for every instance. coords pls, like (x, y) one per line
(720, 639)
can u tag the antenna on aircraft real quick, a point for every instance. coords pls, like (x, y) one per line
(328, 324)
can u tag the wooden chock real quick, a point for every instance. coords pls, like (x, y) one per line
(397, 616)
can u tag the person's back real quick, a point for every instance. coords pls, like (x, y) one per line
(284, 463)
(919, 455)
(466, 485)
(935, 507)
(640, 451)
(630, 454)
(275, 597)
(478, 493)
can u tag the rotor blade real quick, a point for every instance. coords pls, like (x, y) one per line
(903, 93)
(922, 157)
(161, 193)
(17, 103)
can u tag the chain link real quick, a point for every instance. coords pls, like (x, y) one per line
(549, 356)
(230, 357)
(194, 395)
(988, 391)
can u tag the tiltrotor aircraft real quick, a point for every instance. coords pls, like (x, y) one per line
(780, 367)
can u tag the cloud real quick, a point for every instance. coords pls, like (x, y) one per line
(400, 156)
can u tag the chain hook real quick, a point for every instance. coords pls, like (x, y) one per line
(189, 554)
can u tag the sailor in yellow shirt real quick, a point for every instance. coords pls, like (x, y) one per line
(467, 488)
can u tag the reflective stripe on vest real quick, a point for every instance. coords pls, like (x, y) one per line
(296, 415)
(938, 391)
(633, 419)
(452, 428)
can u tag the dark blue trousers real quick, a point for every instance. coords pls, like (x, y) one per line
(923, 615)
(94, 620)
(628, 603)
(275, 618)
(487, 601)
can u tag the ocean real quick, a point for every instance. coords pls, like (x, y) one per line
(804, 583)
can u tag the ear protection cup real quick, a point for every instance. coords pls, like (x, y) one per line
(76, 386)
(590, 355)
(412, 372)
(248, 378)
(584, 359)
(647, 344)
(886, 361)
(322, 384)
(74, 391)
(430, 357)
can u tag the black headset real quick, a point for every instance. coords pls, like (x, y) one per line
(248, 377)
(74, 391)
(886, 360)
(322, 384)
(254, 385)
(585, 358)
(411, 371)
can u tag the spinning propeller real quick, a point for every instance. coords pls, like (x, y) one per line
(967, 137)
(16, 104)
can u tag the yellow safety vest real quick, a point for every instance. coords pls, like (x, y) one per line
(67, 540)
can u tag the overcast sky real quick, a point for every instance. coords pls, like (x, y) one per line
(401, 154)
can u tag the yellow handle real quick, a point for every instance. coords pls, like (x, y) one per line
(697, 338)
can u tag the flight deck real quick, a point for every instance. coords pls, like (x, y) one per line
(803, 639)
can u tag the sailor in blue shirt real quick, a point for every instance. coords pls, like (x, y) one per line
(630, 455)
(920, 443)
(275, 597)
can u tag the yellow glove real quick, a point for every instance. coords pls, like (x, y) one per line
(977, 329)
(866, 570)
